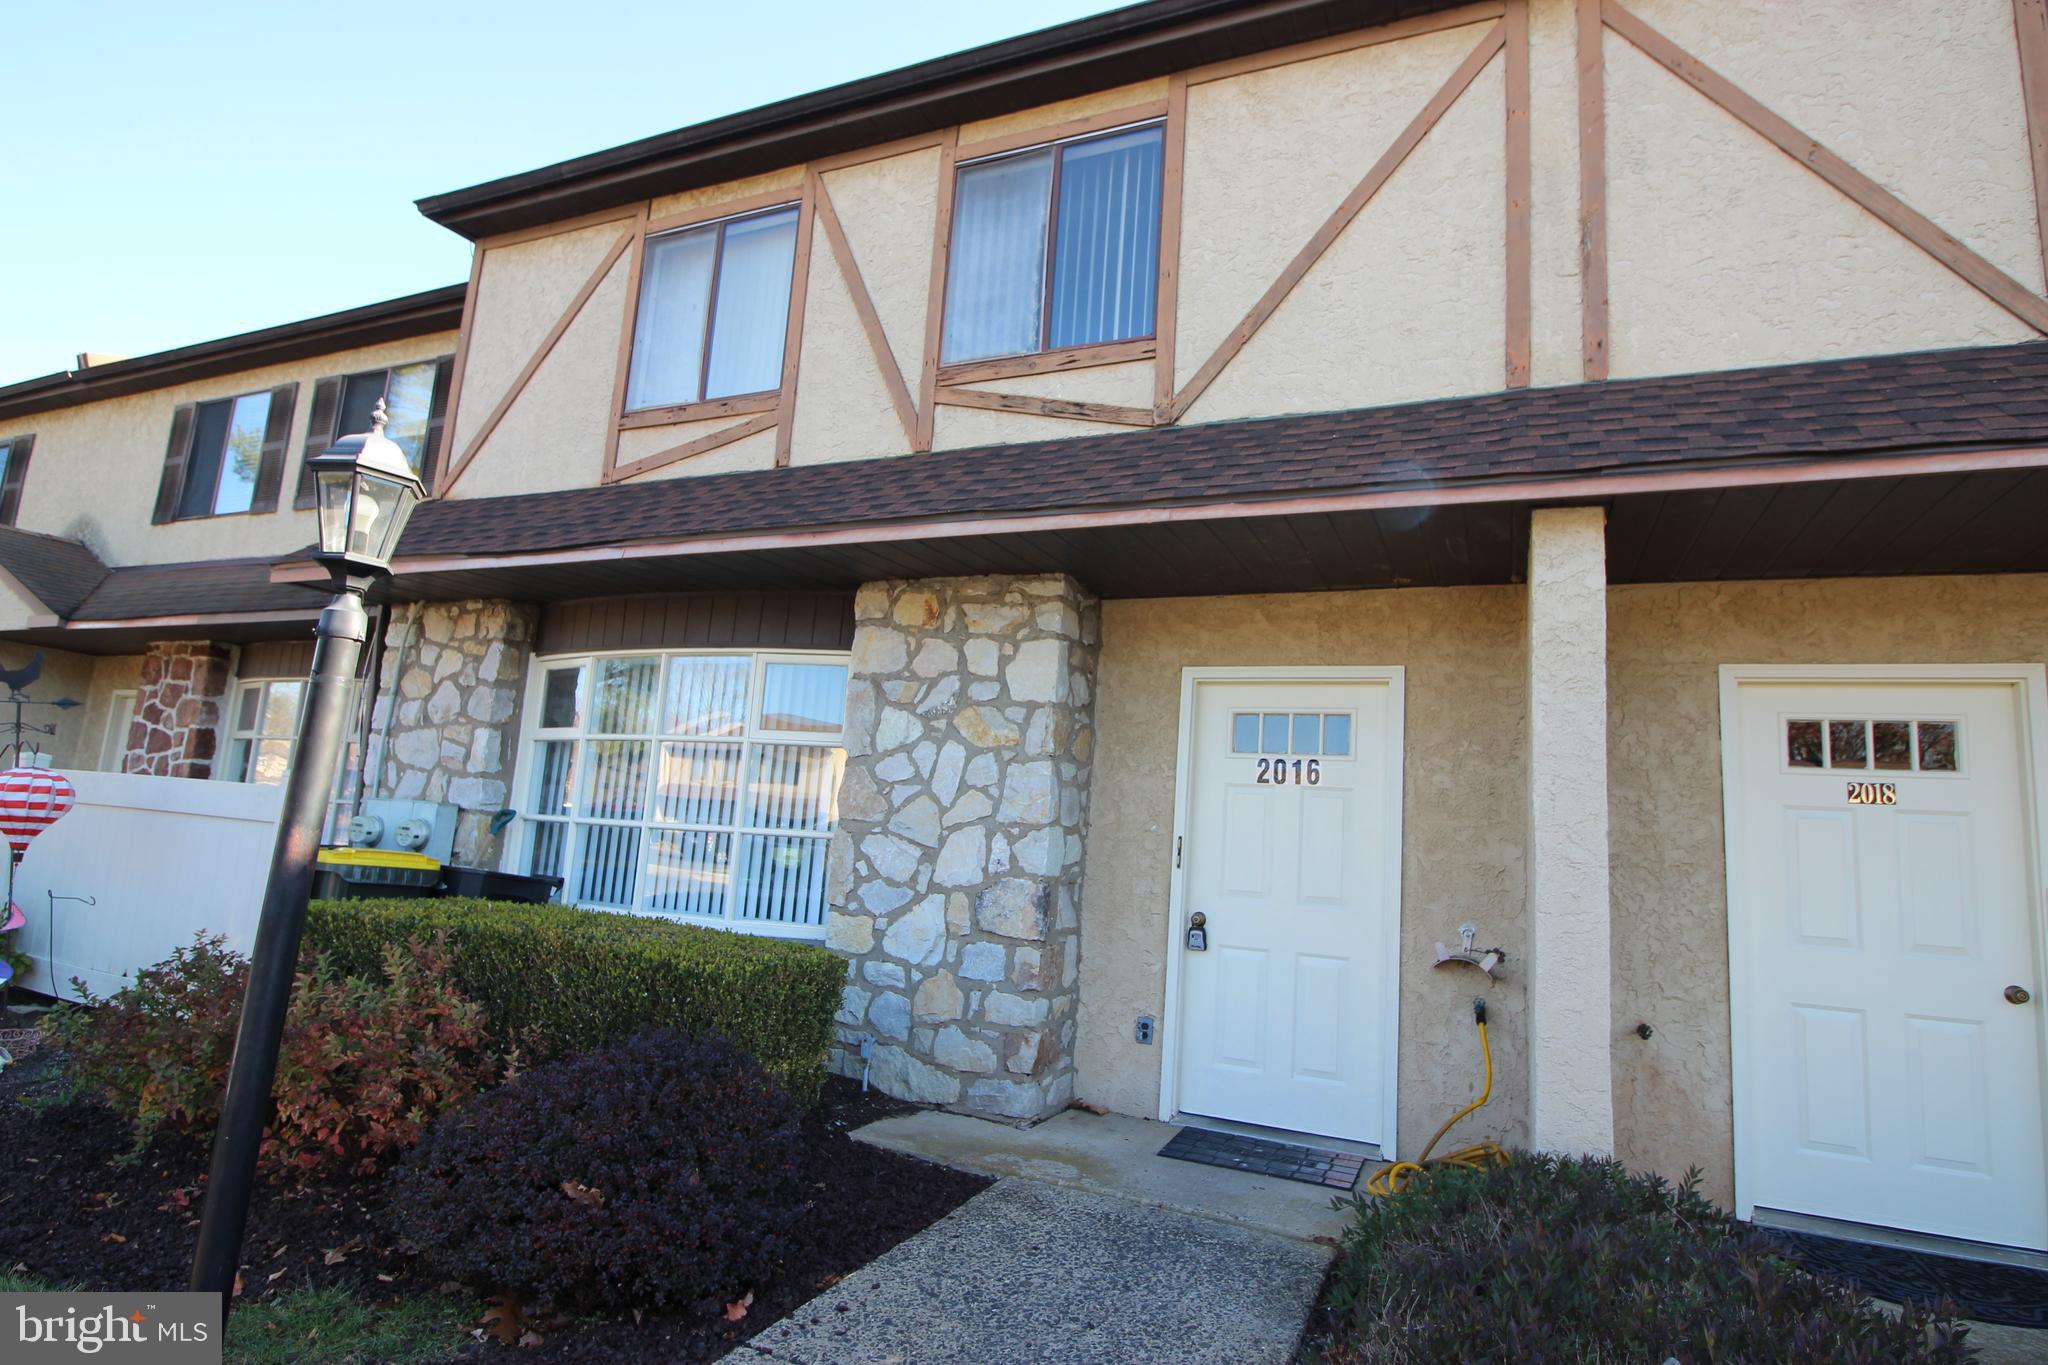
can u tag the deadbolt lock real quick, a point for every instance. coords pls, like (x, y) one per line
(1198, 935)
(2017, 995)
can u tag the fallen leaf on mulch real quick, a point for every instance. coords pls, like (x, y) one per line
(530, 1339)
(112, 1237)
(503, 1319)
(237, 1292)
(336, 1255)
(735, 1311)
(583, 1194)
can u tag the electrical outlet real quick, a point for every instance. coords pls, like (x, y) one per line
(1143, 1032)
(867, 1046)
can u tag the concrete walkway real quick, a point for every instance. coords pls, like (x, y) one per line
(1088, 1248)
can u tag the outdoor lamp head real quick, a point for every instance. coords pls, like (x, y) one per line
(367, 490)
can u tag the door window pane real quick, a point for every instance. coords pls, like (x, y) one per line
(1893, 740)
(1274, 738)
(1937, 746)
(1337, 736)
(668, 328)
(1308, 734)
(995, 274)
(1106, 258)
(1244, 733)
(751, 318)
(803, 698)
(1803, 743)
(1846, 747)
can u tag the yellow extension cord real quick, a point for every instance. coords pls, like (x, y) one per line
(1392, 1178)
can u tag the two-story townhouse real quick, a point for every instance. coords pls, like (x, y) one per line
(146, 501)
(1318, 475)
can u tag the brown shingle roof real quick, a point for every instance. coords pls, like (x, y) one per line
(61, 573)
(213, 587)
(1982, 398)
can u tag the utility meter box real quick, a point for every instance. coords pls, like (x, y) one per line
(423, 827)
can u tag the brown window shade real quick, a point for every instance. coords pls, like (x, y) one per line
(320, 434)
(173, 480)
(437, 418)
(17, 452)
(699, 620)
(276, 433)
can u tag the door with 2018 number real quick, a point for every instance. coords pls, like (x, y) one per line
(1285, 1016)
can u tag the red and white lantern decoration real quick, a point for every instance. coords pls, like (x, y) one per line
(31, 800)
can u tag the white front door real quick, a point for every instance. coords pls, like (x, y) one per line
(1883, 898)
(1292, 852)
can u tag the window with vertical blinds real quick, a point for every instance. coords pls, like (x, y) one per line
(1055, 246)
(697, 786)
(713, 310)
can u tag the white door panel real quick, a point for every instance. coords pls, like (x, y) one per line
(1882, 1076)
(1282, 1016)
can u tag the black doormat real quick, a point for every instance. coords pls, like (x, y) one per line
(2014, 1296)
(1309, 1165)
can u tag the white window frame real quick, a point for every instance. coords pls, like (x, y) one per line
(114, 741)
(517, 852)
(232, 733)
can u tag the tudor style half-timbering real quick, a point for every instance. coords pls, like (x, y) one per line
(1571, 468)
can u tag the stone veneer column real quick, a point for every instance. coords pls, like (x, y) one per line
(1571, 1087)
(955, 883)
(449, 694)
(180, 706)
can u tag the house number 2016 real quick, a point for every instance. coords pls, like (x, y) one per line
(1873, 794)
(1273, 771)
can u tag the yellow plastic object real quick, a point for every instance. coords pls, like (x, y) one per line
(1393, 1177)
(378, 857)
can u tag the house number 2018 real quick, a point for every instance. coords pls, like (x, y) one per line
(1273, 771)
(1873, 794)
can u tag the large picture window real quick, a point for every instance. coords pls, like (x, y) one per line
(1055, 246)
(713, 311)
(696, 786)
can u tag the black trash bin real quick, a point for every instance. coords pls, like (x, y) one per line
(480, 883)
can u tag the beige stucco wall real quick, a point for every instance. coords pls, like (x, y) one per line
(110, 674)
(96, 466)
(1462, 814)
(1672, 1093)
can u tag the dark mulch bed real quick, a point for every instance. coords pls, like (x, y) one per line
(74, 1206)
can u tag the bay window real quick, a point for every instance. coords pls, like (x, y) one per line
(1055, 246)
(713, 311)
(696, 786)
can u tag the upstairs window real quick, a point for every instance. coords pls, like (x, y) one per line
(13, 470)
(225, 456)
(713, 310)
(1055, 246)
(415, 398)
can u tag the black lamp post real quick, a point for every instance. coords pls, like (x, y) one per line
(367, 491)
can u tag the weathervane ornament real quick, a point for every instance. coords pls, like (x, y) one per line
(12, 731)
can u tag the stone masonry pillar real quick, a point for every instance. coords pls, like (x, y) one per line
(449, 692)
(180, 706)
(955, 886)
(1571, 1088)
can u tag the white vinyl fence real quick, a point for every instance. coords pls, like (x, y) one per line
(138, 867)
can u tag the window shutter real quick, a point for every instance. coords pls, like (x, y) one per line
(277, 434)
(437, 418)
(174, 465)
(17, 470)
(319, 435)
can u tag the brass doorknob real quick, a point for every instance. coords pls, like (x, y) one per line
(2017, 995)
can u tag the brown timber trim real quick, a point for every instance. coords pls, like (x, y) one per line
(1049, 362)
(2030, 26)
(1340, 218)
(1908, 222)
(467, 328)
(202, 618)
(540, 230)
(1565, 489)
(1592, 57)
(697, 620)
(533, 364)
(724, 436)
(935, 292)
(864, 309)
(1516, 33)
(1166, 293)
(793, 330)
(1062, 131)
(1047, 407)
(629, 319)
(740, 405)
(725, 208)
(263, 659)
(1346, 42)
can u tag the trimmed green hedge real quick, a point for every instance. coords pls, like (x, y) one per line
(569, 979)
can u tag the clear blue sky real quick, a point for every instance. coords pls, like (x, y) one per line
(174, 173)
